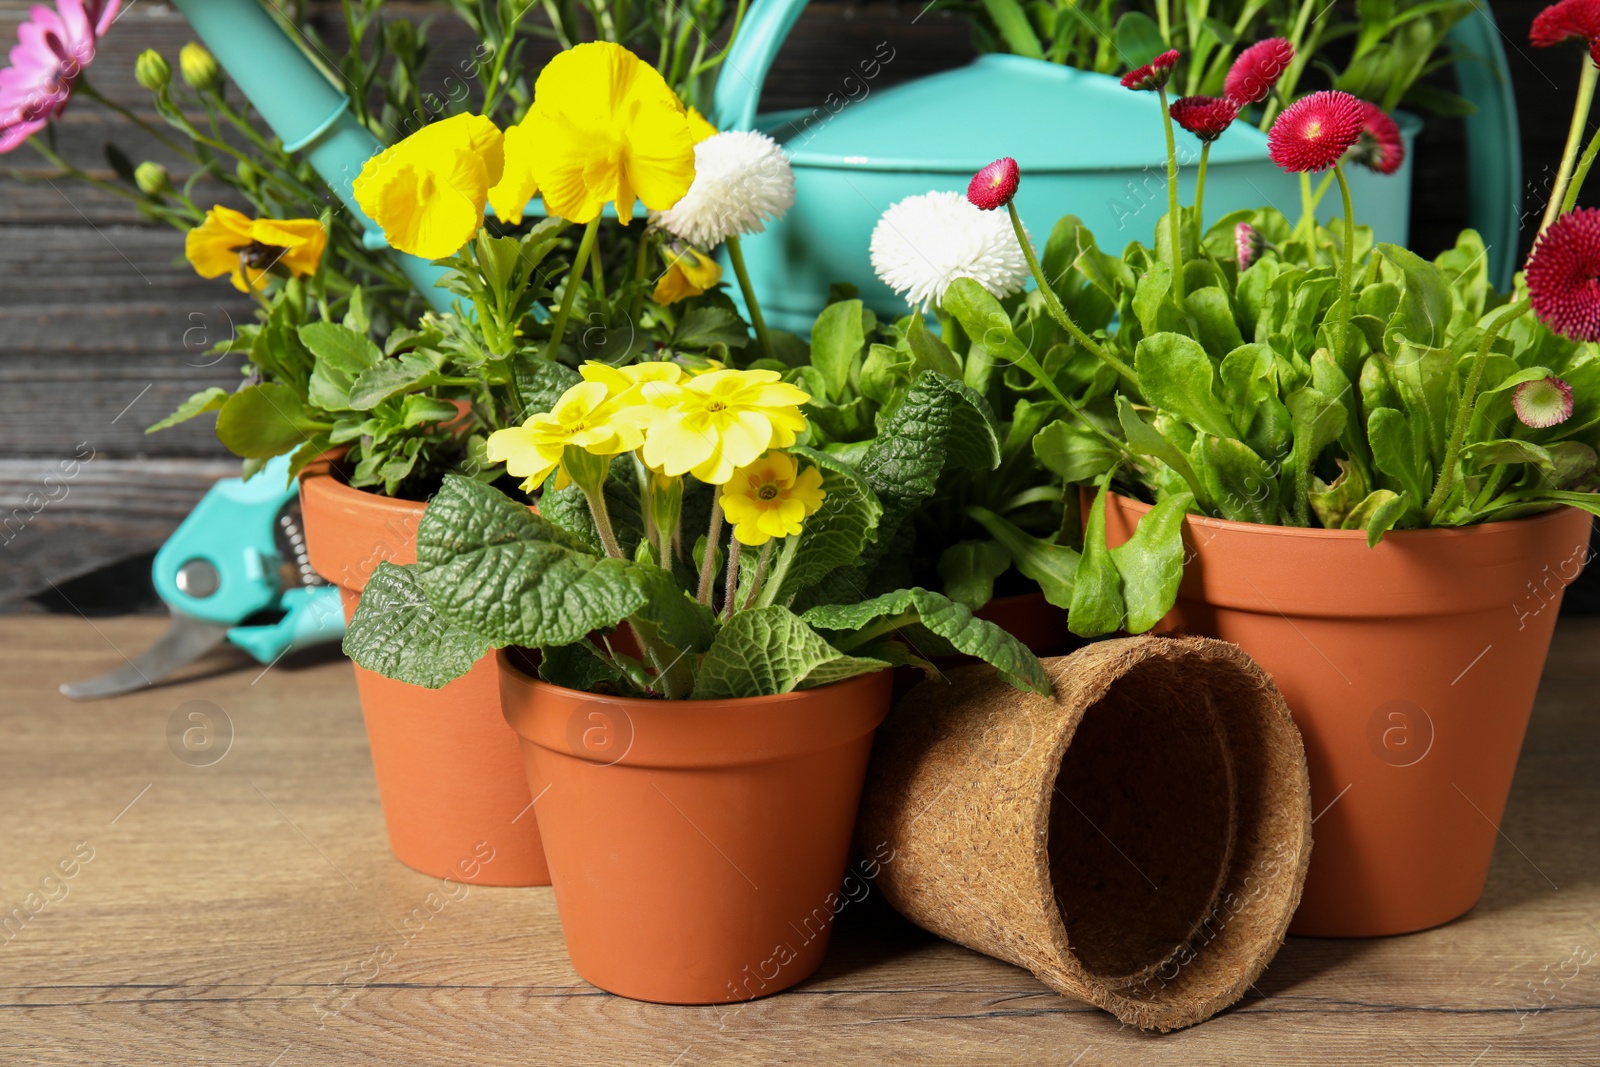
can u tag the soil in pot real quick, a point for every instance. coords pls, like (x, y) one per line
(449, 769)
(696, 847)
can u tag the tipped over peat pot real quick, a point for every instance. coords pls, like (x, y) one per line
(1137, 840)
(455, 799)
(1410, 668)
(696, 847)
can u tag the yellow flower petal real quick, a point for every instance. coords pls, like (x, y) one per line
(699, 128)
(510, 195)
(428, 191)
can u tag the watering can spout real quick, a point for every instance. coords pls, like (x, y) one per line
(750, 56)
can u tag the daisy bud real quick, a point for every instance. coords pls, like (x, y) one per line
(1207, 117)
(152, 179)
(1563, 275)
(151, 71)
(1247, 244)
(1154, 74)
(995, 185)
(1542, 403)
(199, 68)
(1380, 147)
(1252, 77)
(1314, 132)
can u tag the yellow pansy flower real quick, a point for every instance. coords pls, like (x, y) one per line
(428, 191)
(635, 383)
(690, 272)
(712, 424)
(604, 126)
(232, 243)
(699, 128)
(585, 417)
(771, 498)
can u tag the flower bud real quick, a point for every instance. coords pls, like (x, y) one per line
(151, 71)
(994, 185)
(247, 174)
(199, 68)
(152, 179)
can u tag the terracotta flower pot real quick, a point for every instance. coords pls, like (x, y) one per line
(455, 799)
(1410, 669)
(696, 846)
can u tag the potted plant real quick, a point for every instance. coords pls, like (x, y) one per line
(1373, 472)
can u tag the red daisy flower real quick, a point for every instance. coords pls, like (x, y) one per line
(1207, 117)
(1247, 245)
(1564, 21)
(1315, 131)
(1563, 275)
(994, 185)
(1257, 70)
(1154, 74)
(1543, 402)
(1380, 147)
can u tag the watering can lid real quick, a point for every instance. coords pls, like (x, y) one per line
(1047, 116)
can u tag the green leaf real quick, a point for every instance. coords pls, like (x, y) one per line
(1014, 27)
(206, 400)
(944, 618)
(1508, 451)
(1146, 440)
(491, 565)
(1073, 451)
(929, 352)
(1383, 517)
(837, 339)
(540, 383)
(968, 570)
(764, 651)
(1332, 503)
(1238, 482)
(406, 373)
(1138, 38)
(680, 620)
(1393, 452)
(1097, 605)
(1054, 567)
(262, 421)
(1214, 325)
(342, 355)
(397, 633)
(583, 667)
(1425, 303)
(1362, 513)
(1318, 419)
(710, 325)
(1179, 377)
(1151, 563)
(836, 535)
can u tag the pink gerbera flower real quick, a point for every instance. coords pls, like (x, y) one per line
(1380, 147)
(52, 49)
(995, 185)
(1563, 275)
(1315, 131)
(1207, 117)
(1257, 70)
(1154, 74)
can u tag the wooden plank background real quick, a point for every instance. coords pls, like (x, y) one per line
(104, 327)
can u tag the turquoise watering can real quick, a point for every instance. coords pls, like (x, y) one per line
(1086, 146)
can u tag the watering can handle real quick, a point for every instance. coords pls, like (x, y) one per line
(1494, 176)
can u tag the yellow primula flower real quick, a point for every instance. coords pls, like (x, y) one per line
(428, 191)
(604, 126)
(228, 242)
(771, 498)
(690, 272)
(714, 423)
(585, 417)
(636, 383)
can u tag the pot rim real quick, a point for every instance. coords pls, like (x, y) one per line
(326, 474)
(1320, 533)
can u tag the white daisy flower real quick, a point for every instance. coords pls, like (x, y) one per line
(741, 180)
(923, 243)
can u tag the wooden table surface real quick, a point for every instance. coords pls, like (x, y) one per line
(231, 913)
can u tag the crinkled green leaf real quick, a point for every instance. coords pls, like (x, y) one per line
(409, 372)
(943, 617)
(836, 535)
(764, 651)
(540, 383)
(397, 633)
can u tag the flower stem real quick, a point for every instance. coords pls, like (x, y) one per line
(1053, 304)
(641, 261)
(597, 271)
(602, 520)
(1175, 221)
(1200, 193)
(736, 257)
(1469, 398)
(1569, 154)
(761, 571)
(774, 582)
(731, 583)
(708, 562)
(1579, 176)
(559, 326)
(1348, 266)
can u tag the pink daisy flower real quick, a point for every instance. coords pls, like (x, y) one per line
(53, 48)
(1543, 402)
(1207, 117)
(1380, 147)
(1314, 132)
(1154, 74)
(1563, 275)
(1257, 70)
(995, 185)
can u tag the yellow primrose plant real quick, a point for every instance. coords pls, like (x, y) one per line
(606, 583)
